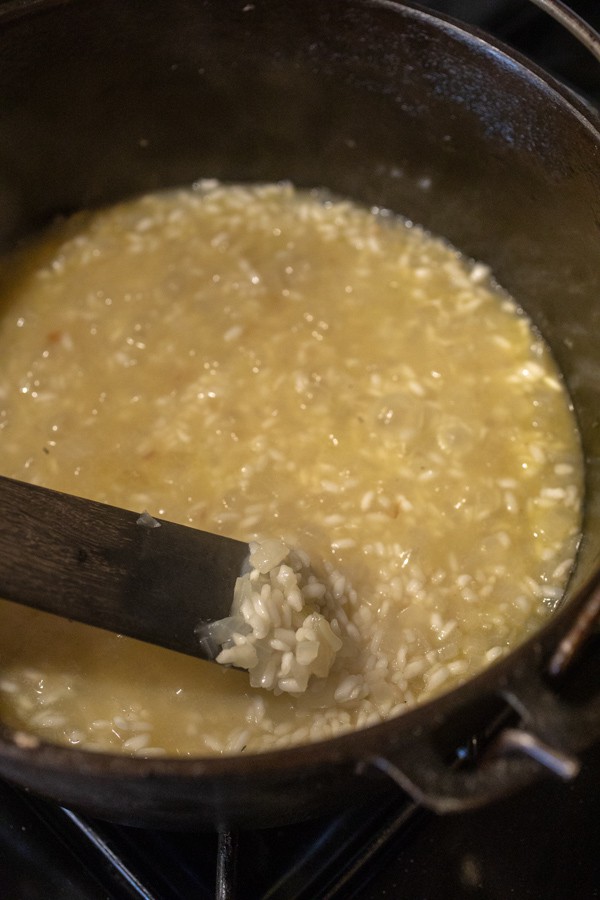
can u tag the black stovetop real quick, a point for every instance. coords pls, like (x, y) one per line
(539, 845)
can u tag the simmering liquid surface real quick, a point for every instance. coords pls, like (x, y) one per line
(262, 362)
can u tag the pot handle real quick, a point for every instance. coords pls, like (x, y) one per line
(578, 27)
(542, 723)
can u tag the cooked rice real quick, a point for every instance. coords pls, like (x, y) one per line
(274, 362)
(280, 627)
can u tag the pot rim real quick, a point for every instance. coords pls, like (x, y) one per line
(479, 39)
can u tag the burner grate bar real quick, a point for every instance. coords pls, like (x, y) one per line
(226, 873)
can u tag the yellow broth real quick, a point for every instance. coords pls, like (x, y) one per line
(259, 361)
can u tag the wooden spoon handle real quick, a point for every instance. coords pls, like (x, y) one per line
(103, 566)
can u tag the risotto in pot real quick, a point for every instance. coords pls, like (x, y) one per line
(274, 364)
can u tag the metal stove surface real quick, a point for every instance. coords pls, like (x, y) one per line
(540, 844)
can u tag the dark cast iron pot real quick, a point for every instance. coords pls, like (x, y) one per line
(394, 107)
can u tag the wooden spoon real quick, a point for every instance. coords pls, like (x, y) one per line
(125, 572)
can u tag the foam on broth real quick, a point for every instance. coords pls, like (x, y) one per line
(262, 361)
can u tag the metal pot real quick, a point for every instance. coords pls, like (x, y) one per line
(394, 107)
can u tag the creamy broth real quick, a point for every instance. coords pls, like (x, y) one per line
(259, 361)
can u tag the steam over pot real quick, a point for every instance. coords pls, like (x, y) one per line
(394, 107)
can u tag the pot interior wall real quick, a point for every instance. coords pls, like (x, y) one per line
(373, 101)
